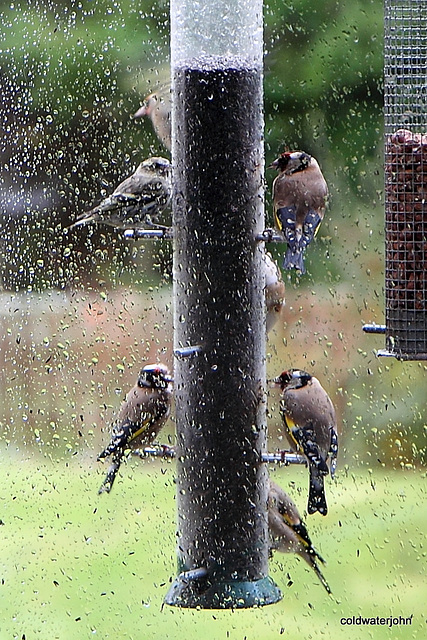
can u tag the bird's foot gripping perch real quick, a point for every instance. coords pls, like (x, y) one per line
(284, 457)
(270, 235)
(156, 451)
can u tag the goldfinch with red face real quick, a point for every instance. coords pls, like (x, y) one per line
(141, 416)
(137, 200)
(300, 193)
(288, 533)
(311, 428)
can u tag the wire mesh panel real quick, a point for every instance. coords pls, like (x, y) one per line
(406, 177)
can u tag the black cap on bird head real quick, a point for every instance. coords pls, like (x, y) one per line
(291, 161)
(154, 376)
(292, 377)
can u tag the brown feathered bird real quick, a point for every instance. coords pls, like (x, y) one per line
(137, 200)
(158, 107)
(288, 533)
(300, 193)
(274, 291)
(141, 416)
(311, 428)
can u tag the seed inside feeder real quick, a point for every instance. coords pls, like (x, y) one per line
(406, 246)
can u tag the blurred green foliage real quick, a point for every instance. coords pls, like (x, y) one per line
(324, 82)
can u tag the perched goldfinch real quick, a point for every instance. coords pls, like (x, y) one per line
(274, 291)
(138, 199)
(141, 416)
(158, 108)
(288, 533)
(311, 428)
(300, 193)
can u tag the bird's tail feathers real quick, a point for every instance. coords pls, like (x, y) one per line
(80, 220)
(319, 574)
(316, 492)
(294, 259)
(110, 476)
(83, 218)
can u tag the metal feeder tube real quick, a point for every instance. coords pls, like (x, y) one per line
(217, 131)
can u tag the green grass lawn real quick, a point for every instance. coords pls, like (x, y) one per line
(75, 565)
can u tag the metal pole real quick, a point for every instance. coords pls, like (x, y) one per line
(217, 130)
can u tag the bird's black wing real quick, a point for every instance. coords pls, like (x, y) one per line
(310, 227)
(333, 451)
(122, 436)
(306, 438)
(124, 433)
(286, 222)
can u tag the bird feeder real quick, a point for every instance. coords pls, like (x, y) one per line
(219, 315)
(405, 98)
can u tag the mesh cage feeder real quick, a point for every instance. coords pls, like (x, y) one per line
(405, 103)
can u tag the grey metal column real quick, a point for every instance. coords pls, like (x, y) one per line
(219, 305)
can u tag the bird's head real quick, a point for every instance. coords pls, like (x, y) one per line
(156, 164)
(147, 108)
(292, 378)
(291, 162)
(154, 376)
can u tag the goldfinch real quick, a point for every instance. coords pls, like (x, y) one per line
(141, 416)
(311, 428)
(300, 193)
(274, 291)
(288, 533)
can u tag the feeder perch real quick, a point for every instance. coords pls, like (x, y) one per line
(166, 451)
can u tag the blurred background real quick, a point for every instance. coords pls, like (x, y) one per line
(82, 311)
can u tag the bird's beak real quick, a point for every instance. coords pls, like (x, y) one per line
(275, 382)
(273, 165)
(141, 113)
